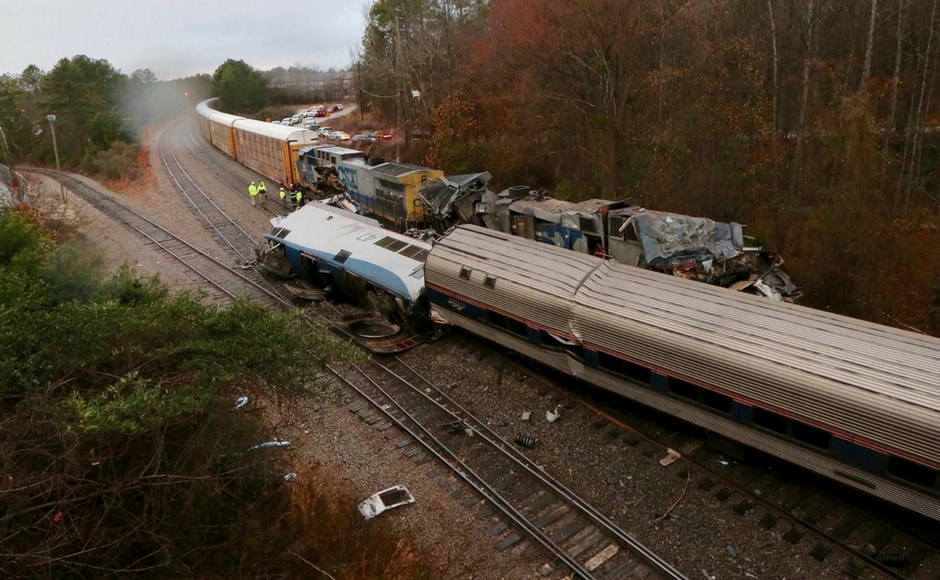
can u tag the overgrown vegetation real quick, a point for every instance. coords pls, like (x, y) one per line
(127, 450)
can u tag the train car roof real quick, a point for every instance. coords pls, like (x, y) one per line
(335, 150)
(550, 205)
(397, 169)
(359, 245)
(543, 280)
(857, 378)
(206, 110)
(279, 132)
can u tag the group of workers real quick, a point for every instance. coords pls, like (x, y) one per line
(293, 198)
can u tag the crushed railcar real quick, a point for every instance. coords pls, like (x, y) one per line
(689, 247)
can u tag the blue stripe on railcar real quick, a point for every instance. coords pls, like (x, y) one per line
(368, 271)
(448, 302)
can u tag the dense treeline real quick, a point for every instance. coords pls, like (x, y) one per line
(98, 114)
(142, 432)
(813, 121)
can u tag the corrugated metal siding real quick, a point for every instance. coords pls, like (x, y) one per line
(552, 359)
(533, 282)
(865, 380)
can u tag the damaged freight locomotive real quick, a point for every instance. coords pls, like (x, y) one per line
(695, 248)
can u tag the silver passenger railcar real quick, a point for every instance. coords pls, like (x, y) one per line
(854, 401)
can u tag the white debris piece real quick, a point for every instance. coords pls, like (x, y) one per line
(671, 456)
(385, 500)
(267, 444)
(240, 402)
(526, 415)
(552, 416)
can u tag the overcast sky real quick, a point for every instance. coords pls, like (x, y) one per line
(181, 38)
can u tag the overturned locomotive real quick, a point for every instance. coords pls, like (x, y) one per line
(337, 255)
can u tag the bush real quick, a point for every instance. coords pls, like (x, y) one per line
(130, 456)
(118, 162)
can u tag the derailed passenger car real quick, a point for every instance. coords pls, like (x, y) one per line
(856, 402)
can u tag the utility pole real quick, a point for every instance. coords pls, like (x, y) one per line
(55, 148)
(400, 88)
(362, 113)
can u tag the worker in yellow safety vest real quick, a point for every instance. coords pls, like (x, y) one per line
(283, 194)
(262, 191)
(299, 197)
(253, 193)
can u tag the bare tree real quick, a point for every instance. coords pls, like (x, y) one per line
(869, 46)
(797, 175)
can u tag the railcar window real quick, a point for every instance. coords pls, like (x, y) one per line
(796, 430)
(614, 223)
(717, 401)
(624, 368)
(465, 272)
(810, 435)
(489, 281)
(587, 225)
(772, 421)
(912, 472)
(683, 389)
(342, 256)
(512, 325)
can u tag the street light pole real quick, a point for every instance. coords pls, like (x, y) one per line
(55, 149)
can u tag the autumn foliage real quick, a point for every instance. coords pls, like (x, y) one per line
(810, 121)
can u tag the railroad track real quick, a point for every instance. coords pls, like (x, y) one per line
(221, 282)
(865, 536)
(529, 505)
(217, 163)
(226, 231)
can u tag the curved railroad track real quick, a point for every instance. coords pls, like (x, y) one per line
(220, 281)
(744, 490)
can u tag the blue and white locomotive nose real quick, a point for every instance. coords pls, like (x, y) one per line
(339, 243)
